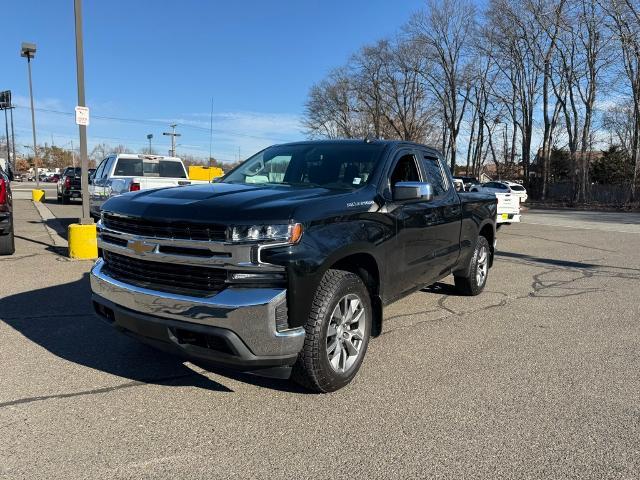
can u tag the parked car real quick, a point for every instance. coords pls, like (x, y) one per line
(118, 174)
(285, 265)
(467, 181)
(7, 242)
(69, 185)
(518, 190)
(491, 187)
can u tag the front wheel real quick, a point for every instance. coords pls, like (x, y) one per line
(337, 333)
(473, 281)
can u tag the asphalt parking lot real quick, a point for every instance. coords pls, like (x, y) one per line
(536, 378)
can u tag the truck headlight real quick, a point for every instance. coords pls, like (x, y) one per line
(290, 233)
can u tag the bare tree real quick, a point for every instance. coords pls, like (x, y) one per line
(445, 32)
(510, 27)
(624, 16)
(405, 96)
(331, 109)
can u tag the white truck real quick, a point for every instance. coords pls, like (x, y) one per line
(508, 210)
(126, 172)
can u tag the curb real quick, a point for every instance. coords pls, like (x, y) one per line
(46, 215)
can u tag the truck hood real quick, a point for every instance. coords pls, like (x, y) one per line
(224, 203)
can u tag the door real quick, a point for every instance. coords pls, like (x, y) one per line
(406, 262)
(445, 216)
(428, 231)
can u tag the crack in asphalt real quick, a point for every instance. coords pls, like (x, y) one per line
(95, 391)
(539, 288)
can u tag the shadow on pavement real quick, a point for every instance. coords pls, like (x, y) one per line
(442, 289)
(50, 248)
(548, 261)
(61, 320)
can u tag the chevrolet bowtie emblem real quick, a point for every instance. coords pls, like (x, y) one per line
(141, 247)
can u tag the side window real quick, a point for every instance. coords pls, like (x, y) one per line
(435, 175)
(98, 174)
(406, 170)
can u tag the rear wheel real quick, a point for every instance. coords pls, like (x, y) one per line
(337, 333)
(7, 244)
(473, 281)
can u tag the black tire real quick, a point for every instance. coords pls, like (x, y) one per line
(65, 199)
(313, 369)
(7, 244)
(59, 198)
(472, 283)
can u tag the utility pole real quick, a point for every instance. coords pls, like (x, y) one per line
(84, 160)
(173, 136)
(149, 137)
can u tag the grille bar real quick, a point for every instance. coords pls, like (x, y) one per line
(155, 229)
(166, 277)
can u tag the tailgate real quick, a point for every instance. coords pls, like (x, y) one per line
(508, 203)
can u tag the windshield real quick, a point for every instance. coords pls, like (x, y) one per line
(344, 166)
(517, 188)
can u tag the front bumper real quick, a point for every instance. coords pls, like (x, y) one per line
(235, 328)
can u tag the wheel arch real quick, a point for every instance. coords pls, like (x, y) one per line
(366, 267)
(488, 231)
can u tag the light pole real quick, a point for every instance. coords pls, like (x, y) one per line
(149, 137)
(28, 51)
(84, 161)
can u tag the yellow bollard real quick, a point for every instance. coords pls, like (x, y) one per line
(83, 244)
(37, 195)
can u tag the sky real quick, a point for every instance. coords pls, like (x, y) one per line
(152, 63)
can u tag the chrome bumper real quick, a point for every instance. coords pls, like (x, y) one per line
(248, 312)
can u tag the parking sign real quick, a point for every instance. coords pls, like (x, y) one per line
(82, 116)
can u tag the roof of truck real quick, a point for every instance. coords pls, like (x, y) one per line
(369, 141)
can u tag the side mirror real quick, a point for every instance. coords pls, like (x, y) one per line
(403, 191)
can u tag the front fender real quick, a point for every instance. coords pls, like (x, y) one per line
(321, 247)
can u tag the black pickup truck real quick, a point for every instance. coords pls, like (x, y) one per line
(68, 186)
(284, 266)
